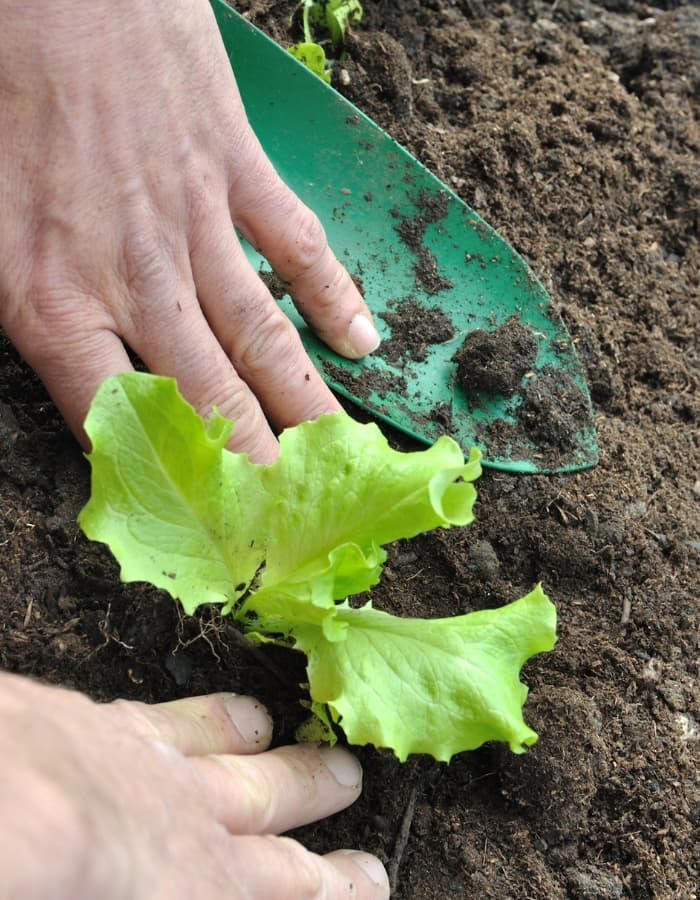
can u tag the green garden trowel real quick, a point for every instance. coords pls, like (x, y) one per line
(471, 344)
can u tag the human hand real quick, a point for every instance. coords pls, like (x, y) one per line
(126, 801)
(126, 160)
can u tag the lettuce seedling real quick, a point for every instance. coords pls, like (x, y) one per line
(335, 16)
(313, 56)
(283, 546)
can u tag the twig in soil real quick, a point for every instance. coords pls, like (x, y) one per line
(415, 575)
(402, 837)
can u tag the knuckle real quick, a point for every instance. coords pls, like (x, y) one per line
(264, 800)
(233, 401)
(133, 717)
(252, 174)
(334, 282)
(305, 871)
(310, 239)
(257, 797)
(144, 260)
(57, 295)
(272, 343)
(50, 294)
(55, 310)
(147, 265)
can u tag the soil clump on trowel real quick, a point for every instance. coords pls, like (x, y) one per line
(551, 416)
(432, 208)
(414, 328)
(365, 381)
(495, 362)
(553, 409)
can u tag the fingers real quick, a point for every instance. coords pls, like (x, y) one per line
(374, 881)
(215, 723)
(173, 338)
(280, 868)
(280, 789)
(291, 237)
(261, 342)
(73, 369)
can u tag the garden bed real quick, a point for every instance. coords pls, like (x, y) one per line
(571, 127)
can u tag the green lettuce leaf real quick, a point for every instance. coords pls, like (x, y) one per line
(454, 680)
(180, 511)
(314, 57)
(337, 16)
(166, 497)
(280, 545)
(340, 492)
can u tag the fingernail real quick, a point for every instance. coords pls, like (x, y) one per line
(362, 335)
(342, 765)
(250, 719)
(371, 866)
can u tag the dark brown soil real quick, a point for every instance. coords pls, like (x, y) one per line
(431, 208)
(274, 284)
(360, 383)
(553, 415)
(571, 127)
(553, 409)
(414, 327)
(495, 362)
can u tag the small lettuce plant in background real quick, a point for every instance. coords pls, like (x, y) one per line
(335, 16)
(283, 548)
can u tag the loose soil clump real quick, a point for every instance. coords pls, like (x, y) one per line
(432, 208)
(553, 410)
(414, 327)
(274, 284)
(359, 384)
(494, 362)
